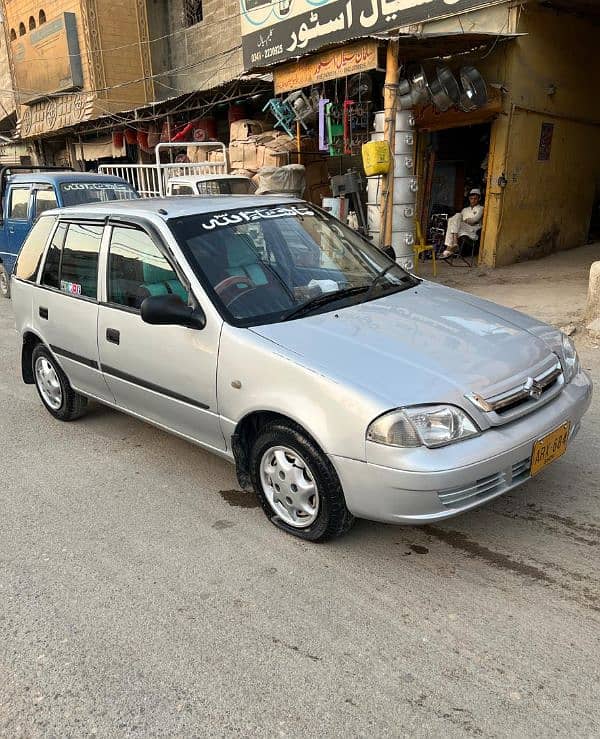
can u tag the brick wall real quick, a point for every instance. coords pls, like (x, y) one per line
(204, 55)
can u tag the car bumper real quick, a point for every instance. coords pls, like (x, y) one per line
(422, 485)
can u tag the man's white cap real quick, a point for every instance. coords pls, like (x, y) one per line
(475, 191)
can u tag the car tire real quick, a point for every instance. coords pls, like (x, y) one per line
(54, 388)
(297, 486)
(4, 282)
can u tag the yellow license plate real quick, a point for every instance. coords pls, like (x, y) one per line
(550, 448)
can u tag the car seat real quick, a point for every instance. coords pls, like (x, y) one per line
(243, 259)
(159, 281)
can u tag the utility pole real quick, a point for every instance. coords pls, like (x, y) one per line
(390, 103)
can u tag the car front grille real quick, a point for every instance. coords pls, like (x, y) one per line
(525, 397)
(486, 487)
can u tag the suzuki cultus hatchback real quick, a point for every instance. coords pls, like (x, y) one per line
(266, 331)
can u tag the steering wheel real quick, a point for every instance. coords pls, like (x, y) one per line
(232, 287)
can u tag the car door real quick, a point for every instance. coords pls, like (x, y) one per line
(65, 304)
(165, 374)
(18, 222)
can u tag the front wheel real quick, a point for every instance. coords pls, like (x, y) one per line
(4, 282)
(297, 486)
(54, 388)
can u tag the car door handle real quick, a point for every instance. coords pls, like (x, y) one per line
(11, 230)
(44, 313)
(113, 335)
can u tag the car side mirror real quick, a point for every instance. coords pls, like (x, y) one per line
(170, 310)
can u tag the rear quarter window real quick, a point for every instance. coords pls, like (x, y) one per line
(30, 256)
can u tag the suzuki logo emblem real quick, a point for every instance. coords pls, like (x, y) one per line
(534, 388)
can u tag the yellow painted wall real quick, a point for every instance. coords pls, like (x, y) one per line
(546, 205)
(18, 11)
(111, 47)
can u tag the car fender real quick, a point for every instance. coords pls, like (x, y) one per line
(256, 375)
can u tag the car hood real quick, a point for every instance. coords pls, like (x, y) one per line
(424, 345)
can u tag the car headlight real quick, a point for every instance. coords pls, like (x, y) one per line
(570, 359)
(429, 425)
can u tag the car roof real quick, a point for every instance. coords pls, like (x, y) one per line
(174, 207)
(60, 177)
(192, 179)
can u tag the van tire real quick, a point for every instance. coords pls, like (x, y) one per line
(331, 517)
(72, 405)
(4, 282)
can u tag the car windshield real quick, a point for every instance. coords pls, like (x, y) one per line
(79, 193)
(268, 264)
(226, 186)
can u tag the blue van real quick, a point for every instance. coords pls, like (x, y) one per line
(25, 195)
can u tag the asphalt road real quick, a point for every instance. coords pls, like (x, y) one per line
(140, 596)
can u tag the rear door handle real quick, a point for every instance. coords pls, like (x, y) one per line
(113, 335)
(44, 313)
(11, 230)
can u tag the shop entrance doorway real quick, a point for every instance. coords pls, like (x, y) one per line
(456, 161)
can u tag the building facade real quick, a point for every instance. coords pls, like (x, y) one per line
(197, 45)
(73, 61)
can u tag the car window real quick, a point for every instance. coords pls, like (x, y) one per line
(19, 200)
(44, 200)
(50, 274)
(79, 264)
(137, 269)
(181, 190)
(31, 253)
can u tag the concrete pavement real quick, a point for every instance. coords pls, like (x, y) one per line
(142, 595)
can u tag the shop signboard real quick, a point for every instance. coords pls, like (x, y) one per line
(46, 60)
(58, 112)
(275, 31)
(360, 56)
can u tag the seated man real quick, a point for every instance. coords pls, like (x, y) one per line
(464, 225)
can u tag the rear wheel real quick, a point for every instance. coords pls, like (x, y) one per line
(297, 486)
(54, 388)
(4, 282)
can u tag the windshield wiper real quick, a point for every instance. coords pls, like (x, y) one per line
(323, 299)
(379, 277)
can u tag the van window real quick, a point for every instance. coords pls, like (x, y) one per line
(181, 190)
(50, 275)
(79, 265)
(44, 200)
(31, 253)
(137, 269)
(19, 200)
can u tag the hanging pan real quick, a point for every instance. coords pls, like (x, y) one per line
(445, 90)
(474, 90)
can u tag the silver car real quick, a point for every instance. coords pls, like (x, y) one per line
(266, 331)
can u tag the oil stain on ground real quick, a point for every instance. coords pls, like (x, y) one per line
(458, 540)
(239, 498)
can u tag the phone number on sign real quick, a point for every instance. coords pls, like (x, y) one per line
(258, 56)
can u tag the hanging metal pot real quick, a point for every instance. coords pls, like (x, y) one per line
(445, 90)
(418, 83)
(405, 190)
(474, 90)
